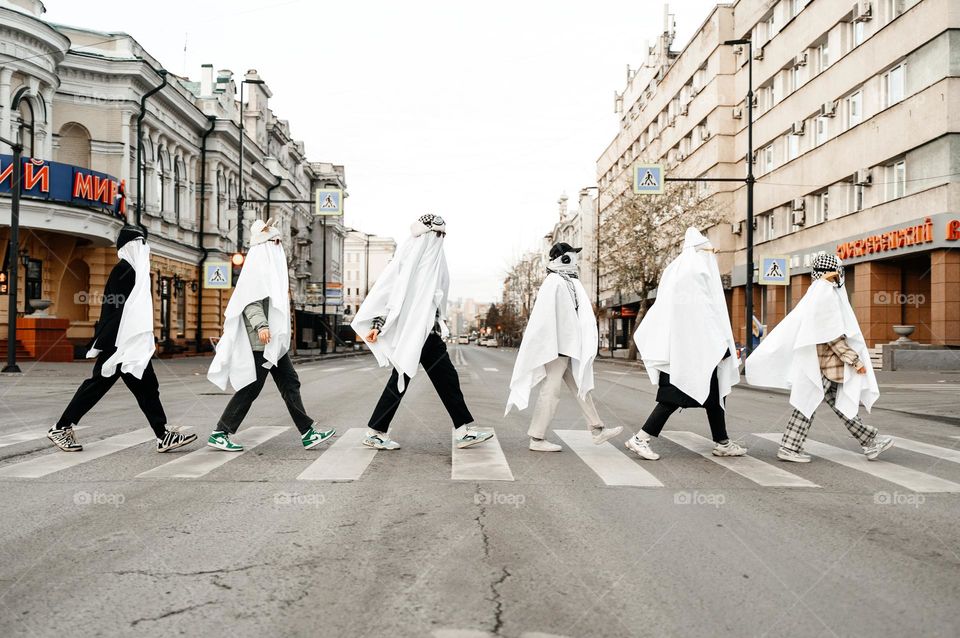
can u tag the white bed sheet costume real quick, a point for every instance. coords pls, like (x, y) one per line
(559, 347)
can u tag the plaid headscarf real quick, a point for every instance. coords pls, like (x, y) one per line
(825, 263)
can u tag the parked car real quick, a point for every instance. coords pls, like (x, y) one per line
(490, 342)
(463, 339)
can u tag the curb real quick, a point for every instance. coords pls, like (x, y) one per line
(310, 358)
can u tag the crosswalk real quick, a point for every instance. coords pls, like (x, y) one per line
(347, 459)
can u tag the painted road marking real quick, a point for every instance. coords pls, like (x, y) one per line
(490, 370)
(482, 462)
(59, 461)
(758, 471)
(611, 465)
(203, 461)
(346, 460)
(903, 476)
(945, 453)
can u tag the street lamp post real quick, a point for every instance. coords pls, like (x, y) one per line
(240, 199)
(596, 264)
(13, 252)
(748, 287)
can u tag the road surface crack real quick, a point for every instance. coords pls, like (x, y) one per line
(174, 612)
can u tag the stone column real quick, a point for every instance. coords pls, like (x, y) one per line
(945, 297)
(876, 300)
(6, 74)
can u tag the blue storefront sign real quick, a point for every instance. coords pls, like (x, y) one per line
(65, 183)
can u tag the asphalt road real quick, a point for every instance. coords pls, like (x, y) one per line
(281, 541)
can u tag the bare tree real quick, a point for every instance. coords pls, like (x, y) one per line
(643, 233)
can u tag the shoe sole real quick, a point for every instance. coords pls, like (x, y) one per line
(190, 439)
(724, 455)
(223, 449)
(645, 458)
(462, 446)
(606, 436)
(380, 447)
(789, 460)
(79, 448)
(559, 449)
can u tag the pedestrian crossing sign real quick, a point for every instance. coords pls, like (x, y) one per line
(648, 179)
(216, 275)
(329, 201)
(775, 271)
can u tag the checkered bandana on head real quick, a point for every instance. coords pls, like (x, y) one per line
(825, 263)
(427, 223)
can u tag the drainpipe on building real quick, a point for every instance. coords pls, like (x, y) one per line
(270, 190)
(143, 113)
(212, 121)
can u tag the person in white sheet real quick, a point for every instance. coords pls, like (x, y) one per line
(558, 347)
(687, 346)
(818, 352)
(123, 345)
(255, 342)
(402, 321)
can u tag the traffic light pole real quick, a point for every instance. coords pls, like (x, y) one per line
(13, 256)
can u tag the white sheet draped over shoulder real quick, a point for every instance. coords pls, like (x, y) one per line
(553, 326)
(787, 358)
(414, 285)
(686, 332)
(135, 342)
(264, 276)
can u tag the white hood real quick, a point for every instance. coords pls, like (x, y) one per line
(408, 294)
(788, 359)
(135, 342)
(686, 332)
(555, 327)
(264, 275)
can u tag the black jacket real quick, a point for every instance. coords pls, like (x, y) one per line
(115, 294)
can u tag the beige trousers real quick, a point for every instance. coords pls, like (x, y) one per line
(559, 373)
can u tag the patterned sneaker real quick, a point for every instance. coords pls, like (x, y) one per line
(174, 439)
(64, 439)
(473, 437)
(381, 442)
(313, 437)
(641, 447)
(601, 434)
(730, 448)
(794, 457)
(221, 441)
(880, 443)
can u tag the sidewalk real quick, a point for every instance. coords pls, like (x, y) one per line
(933, 395)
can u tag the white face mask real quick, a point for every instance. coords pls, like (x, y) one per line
(565, 263)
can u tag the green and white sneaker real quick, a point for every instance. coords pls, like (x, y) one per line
(313, 437)
(221, 441)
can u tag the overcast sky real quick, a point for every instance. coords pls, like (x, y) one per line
(482, 112)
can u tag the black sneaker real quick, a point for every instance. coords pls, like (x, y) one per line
(174, 439)
(64, 439)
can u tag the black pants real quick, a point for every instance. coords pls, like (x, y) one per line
(439, 368)
(287, 382)
(145, 389)
(715, 416)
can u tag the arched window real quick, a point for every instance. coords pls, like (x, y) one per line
(160, 178)
(221, 193)
(74, 145)
(177, 185)
(25, 126)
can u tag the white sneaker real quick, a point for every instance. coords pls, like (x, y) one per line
(730, 448)
(880, 443)
(473, 437)
(794, 457)
(641, 447)
(542, 445)
(601, 434)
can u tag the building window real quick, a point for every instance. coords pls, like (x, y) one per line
(25, 128)
(854, 109)
(177, 185)
(895, 9)
(766, 226)
(792, 147)
(896, 178)
(767, 158)
(859, 33)
(856, 203)
(160, 178)
(822, 129)
(795, 80)
(893, 85)
(821, 207)
(796, 6)
(823, 56)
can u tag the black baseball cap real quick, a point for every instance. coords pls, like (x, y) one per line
(561, 248)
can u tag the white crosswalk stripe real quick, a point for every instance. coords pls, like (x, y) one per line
(203, 461)
(903, 476)
(58, 461)
(490, 370)
(483, 462)
(944, 453)
(612, 466)
(748, 467)
(346, 460)
(31, 435)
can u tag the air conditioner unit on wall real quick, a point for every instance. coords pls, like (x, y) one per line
(799, 204)
(684, 109)
(864, 177)
(800, 60)
(799, 217)
(862, 11)
(758, 53)
(798, 128)
(737, 113)
(736, 228)
(828, 109)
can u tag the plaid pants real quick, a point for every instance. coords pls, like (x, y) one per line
(798, 425)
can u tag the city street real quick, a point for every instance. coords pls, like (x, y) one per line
(489, 541)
